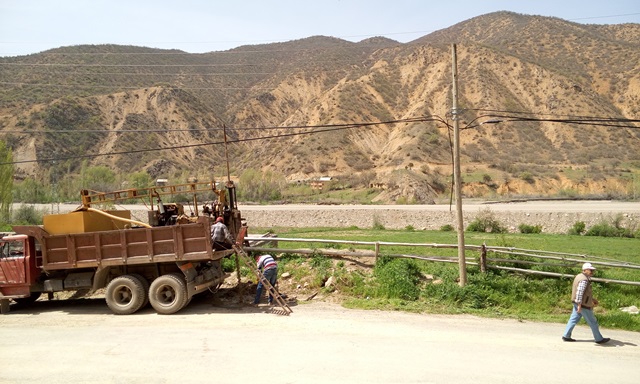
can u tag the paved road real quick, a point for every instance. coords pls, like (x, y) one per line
(473, 206)
(553, 216)
(318, 343)
(468, 206)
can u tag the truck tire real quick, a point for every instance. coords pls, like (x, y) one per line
(125, 295)
(168, 294)
(145, 286)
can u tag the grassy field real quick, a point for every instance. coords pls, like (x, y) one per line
(431, 287)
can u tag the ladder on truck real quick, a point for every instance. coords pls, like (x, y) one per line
(286, 310)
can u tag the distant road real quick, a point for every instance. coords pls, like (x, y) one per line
(553, 216)
(531, 206)
(604, 206)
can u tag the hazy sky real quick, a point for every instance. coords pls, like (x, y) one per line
(30, 26)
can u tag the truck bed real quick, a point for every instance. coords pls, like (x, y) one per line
(184, 242)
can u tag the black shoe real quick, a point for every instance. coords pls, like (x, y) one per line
(605, 340)
(567, 339)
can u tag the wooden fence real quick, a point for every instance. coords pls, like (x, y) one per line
(500, 255)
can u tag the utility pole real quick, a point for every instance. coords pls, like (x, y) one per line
(457, 177)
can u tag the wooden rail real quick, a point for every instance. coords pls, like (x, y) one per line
(547, 258)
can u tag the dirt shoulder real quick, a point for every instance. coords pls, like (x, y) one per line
(225, 341)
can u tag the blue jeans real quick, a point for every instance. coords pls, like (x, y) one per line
(589, 317)
(271, 275)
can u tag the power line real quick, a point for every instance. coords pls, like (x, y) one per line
(492, 118)
(128, 65)
(323, 128)
(511, 116)
(125, 87)
(161, 74)
(604, 17)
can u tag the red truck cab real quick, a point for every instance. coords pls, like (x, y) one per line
(19, 270)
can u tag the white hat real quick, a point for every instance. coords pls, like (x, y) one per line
(588, 266)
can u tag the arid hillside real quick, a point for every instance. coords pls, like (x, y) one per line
(375, 112)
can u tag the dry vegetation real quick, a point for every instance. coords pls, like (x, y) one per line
(507, 62)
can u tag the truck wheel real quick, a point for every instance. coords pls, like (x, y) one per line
(168, 294)
(125, 295)
(145, 286)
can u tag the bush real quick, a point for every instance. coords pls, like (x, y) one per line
(614, 229)
(397, 278)
(486, 222)
(528, 177)
(525, 228)
(377, 224)
(447, 228)
(607, 230)
(28, 215)
(229, 263)
(578, 228)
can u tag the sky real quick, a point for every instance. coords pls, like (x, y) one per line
(31, 26)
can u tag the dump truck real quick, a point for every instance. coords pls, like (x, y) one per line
(163, 263)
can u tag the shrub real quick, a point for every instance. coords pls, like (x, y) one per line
(320, 262)
(528, 177)
(578, 228)
(377, 224)
(607, 230)
(486, 221)
(397, 278)
(525, 228)
(614, 229)
(229, 264)
(28, 215)
(447, 228)
(321, 266)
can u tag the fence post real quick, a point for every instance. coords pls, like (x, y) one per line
(377, 250)
(483, 258)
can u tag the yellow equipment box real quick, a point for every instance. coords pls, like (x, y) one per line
(84, 221)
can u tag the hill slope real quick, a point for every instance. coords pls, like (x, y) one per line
(506, 62)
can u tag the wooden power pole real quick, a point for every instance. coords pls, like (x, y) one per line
(457, 177)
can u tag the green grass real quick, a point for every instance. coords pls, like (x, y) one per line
(304, 194)
(402, 284)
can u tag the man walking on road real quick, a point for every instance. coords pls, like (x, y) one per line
(583, 303)
(269, 269)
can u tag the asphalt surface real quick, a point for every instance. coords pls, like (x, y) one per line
(604, 206)
(82, 342)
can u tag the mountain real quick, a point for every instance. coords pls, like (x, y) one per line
(90, 100)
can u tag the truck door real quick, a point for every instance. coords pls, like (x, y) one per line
(13, 266)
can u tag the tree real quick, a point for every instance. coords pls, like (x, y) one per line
(140, 180)
(6, 182)
(260, 186)
(31, 191)
(99, 178)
